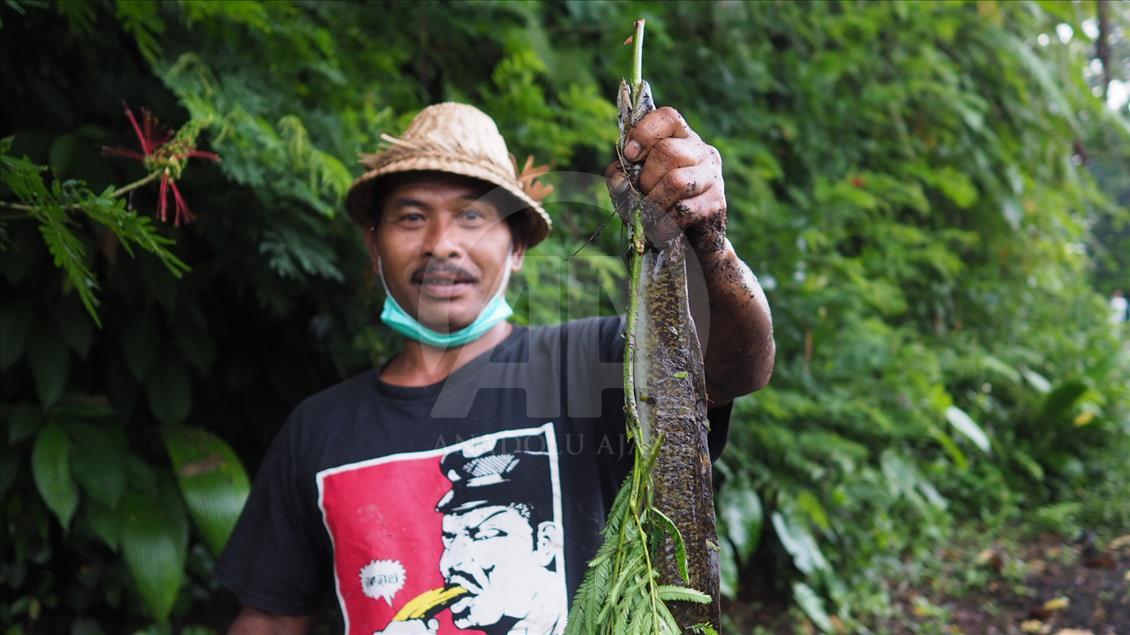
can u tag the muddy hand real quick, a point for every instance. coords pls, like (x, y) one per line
(680, 175)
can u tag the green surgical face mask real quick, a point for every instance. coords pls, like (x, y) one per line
(494, 312)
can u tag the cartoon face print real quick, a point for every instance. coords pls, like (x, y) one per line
(502, 560)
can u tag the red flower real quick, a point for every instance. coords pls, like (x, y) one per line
(857, 181)
(164, 152)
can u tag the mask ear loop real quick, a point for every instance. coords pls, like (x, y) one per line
(381, 275)
(380, 265)
(505, 279)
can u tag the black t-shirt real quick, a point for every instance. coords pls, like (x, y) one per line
(496, 481)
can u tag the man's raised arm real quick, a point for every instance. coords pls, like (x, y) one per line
(682, 175)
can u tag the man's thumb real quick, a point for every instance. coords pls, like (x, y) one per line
(616, 179)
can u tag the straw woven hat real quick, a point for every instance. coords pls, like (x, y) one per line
(457, 139)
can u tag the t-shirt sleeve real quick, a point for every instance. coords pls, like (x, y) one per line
(271, 562)
(719, 417)
(612, 344)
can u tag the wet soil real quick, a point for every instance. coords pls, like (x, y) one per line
(1048, 586)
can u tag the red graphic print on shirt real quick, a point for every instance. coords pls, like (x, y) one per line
(463, 538)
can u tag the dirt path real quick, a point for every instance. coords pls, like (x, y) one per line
(1047, 586)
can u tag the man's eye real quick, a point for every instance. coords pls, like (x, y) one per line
(472, 215)
(411, 217)
(488, 533)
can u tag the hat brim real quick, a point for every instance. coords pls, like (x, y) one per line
(361, 198)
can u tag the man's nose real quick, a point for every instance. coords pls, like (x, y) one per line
(448, 559)
(443, 241)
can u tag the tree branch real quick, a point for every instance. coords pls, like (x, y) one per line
(1102, 43)
(121, 191)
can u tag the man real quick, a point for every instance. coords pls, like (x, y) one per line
(501, 542)
(340, 499)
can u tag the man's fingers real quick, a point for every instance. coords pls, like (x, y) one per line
(704, 219)
(669, 154)
(684, 183)
(411, 627)
(619, 188)
(699, 208)
(658, 124)
(614, 174)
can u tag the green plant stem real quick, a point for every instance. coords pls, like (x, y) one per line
(121, 191)
(637, 57)
(652, 591)
(635, 428)
(635, 260)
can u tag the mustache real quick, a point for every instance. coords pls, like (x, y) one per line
(442, 268)
(465, 580)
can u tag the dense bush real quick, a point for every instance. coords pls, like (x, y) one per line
(904, 178)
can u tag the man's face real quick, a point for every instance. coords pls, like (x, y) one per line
(490, 552)
(442, 248)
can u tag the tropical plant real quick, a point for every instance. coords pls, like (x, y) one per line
(912, 183)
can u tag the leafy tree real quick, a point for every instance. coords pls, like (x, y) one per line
(902, 177)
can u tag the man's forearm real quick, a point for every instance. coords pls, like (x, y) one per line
(739, 353)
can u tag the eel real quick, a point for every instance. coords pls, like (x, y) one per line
(665, 381)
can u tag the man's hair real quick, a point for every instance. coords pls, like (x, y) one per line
(509, 476)
(517, 214)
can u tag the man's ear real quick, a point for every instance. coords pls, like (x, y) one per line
(518, 254)
(549, 539)
(371, 245)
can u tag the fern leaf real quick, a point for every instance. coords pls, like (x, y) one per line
(70, 256)
(669, 529)
(670, 592)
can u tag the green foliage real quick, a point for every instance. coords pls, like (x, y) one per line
(50, 463)
(919, 186)
(53, 206)
(154, 544)
(621, 591)
(212, 480)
